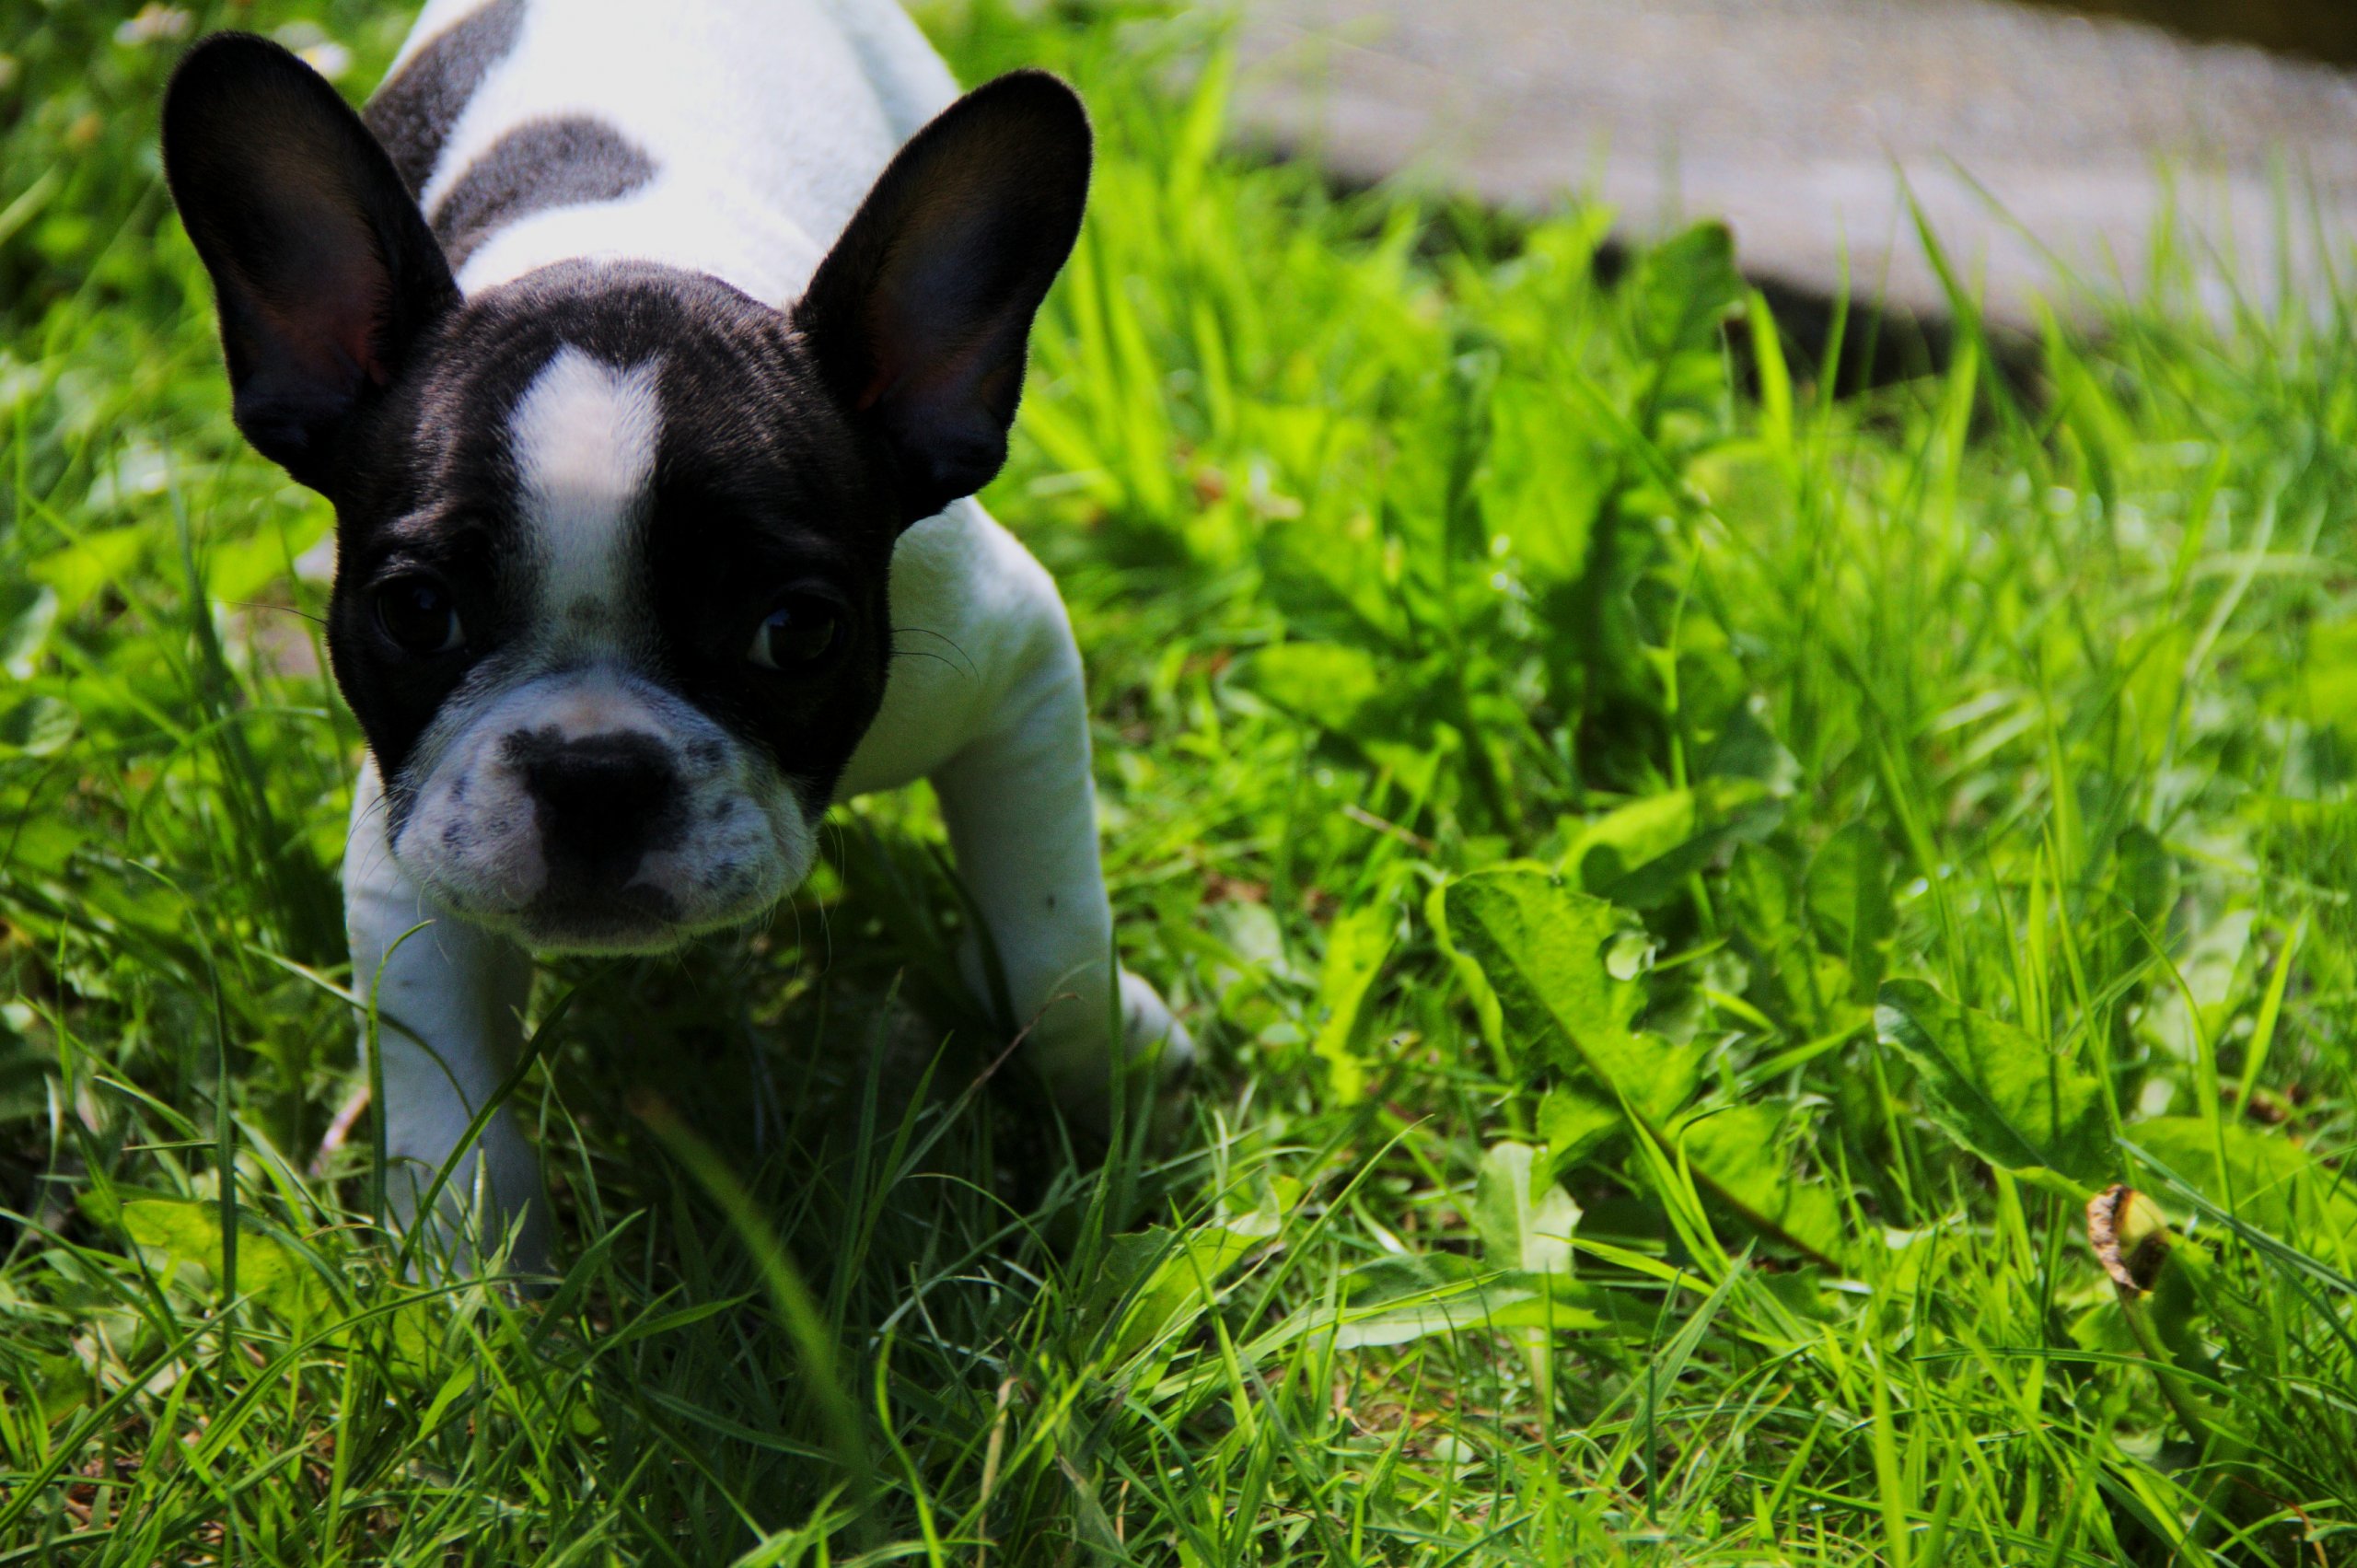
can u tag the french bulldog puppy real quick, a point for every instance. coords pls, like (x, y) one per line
(651, 358)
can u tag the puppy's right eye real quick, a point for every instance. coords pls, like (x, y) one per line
(418, 614)
(797, 634)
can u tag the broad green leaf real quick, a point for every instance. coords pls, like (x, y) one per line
(1550, 477)
(1684, 287)
(1505, 1303)
(1741, 1156)
(183, 1229)
(25, 1069)
(1397, 1276)
(1470, 974)
(1549, 953)
(97, 561)
(187, 1230)
(1170, 1276)
(1525, 1217)
(1494, 1308)
(2265, 1180)
(2215, 972)
(1574, 1122)
(1746, 749)
(1413, 764)
(1525, 1221)
(1790, 977)
(1607, 847)
(1328, 683)
(1641, 854)
(1356, 945)
(1995, 1090)
(1545, 950)
(2324, 689)
(58, 1382)
(461, 1381)
(241, 569)
(1849, 903)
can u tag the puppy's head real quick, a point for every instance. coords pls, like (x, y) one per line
(613, 539)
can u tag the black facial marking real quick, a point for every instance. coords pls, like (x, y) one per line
(412, 112)
(565, 161)
(763, 484)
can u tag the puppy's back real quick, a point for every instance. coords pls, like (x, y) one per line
(734, 137)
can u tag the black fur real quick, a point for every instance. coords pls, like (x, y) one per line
(324, 271)
(567, 161)
(920, 314)
(411, 113)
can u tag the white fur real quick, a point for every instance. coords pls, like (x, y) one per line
(767, 120)
(470, 837)
(447, 994)
(584, 436)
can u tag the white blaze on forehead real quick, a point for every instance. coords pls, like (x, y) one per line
(584, 438)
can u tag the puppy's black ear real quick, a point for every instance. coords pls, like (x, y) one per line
(324, 269)
(918, 314)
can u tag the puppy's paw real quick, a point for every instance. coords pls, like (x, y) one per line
(1080, 1066)
(1160, 1054)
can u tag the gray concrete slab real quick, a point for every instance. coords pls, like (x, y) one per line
(2030, 138)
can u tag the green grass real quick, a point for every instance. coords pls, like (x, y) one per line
(1533, 739)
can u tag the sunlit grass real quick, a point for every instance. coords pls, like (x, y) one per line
(1539, 725)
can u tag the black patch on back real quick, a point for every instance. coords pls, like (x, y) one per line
(412, 112)
(565, 161)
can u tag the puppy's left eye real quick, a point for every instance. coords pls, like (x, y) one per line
(795, 636)
(417, 613)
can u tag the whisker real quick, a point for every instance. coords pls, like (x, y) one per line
(929, 632)
(829, 824)
(282, 609)
(362, 818)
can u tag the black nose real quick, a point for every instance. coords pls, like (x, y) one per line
(604, 801)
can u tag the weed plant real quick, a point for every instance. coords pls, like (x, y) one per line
(1687, 886)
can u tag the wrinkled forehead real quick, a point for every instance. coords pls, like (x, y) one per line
(573, 408)
(583, 440)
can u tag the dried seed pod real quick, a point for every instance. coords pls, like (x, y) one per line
(2130, 1236)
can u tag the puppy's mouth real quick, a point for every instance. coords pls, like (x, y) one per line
(632, 837)
(653, 903)
(572, 914)
(636, 919)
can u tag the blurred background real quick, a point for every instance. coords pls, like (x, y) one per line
(2046, 146)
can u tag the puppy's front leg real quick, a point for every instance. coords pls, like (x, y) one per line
(1021, 811)
(449, 1002)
